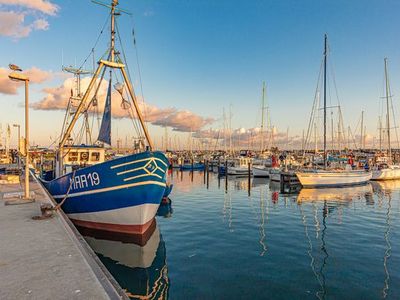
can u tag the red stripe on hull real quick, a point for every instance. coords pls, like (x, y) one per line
(131, 229)
(138, 239)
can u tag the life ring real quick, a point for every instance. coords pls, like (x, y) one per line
(84, 156)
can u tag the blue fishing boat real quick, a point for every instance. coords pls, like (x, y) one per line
(121, 194)
(192, 167)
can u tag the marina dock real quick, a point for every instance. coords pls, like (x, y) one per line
(47, 259)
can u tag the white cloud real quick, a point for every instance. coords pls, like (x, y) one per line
(41, 24)
(43, 6)
(36, 75)
(14, 24)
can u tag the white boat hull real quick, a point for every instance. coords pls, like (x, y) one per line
(333, 178)
(386, 174)
(260, 172)
(238, 171)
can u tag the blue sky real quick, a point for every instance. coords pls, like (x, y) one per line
(202, 56)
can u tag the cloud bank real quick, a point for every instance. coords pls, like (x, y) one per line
(10, 87)
(56, 98)
(13, 22)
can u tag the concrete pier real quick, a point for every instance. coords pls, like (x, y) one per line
(47, 259)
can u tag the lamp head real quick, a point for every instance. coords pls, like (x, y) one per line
(18, 76)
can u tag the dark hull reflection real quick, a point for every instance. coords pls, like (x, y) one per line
(385, 187)
(137, 262)
(165, 208)
(259, 181)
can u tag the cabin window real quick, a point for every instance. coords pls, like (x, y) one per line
(84, 156)
(95, 156)
(73, 156)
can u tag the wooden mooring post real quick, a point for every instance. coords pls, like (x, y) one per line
(249, 178)
(208, 175)
(226, 175)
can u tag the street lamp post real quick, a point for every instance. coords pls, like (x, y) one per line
(21, 77)
(19, 137)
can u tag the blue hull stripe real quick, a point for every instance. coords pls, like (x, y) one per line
(110, 189)
(116, 199)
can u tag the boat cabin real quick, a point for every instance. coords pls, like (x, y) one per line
(82, 156)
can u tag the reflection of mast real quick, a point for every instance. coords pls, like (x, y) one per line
(323, 248)
(310, 250)
(388, 251)
(317, 228)
(262, 229)
(228, 208)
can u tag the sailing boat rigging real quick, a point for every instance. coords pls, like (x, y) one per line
(325, 177)
(386, 171)
(119, 195)
(261, 169)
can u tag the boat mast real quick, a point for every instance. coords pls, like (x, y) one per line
(380, 133)
(262, 117)
(110, 63)
(387, 111)
(325, 55)
(362, 128)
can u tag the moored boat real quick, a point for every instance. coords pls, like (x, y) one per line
(330, 177)
(192, 167)
(387, 170)
(327, 178)
(260, 171)
(121, 194)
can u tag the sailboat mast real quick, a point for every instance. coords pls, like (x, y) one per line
(387, 111)
(262, 117)
(362, 128)
(380, 133)
(325, 56)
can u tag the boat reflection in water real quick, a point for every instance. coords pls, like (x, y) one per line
(343, 194)
(325, 201)
(165, 209)
(137, 262)
(385, 186)
(259, 181)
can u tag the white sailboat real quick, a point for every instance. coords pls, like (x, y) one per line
(328, 178)
(387, 171)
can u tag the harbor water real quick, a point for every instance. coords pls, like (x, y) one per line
(218, 240)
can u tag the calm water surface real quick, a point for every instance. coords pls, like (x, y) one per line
(216, 244)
